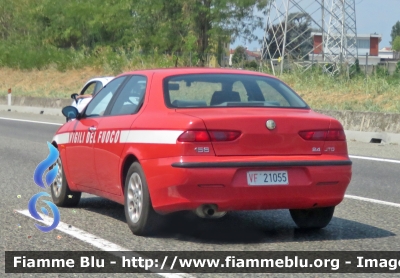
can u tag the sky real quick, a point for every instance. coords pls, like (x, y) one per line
(372, 16)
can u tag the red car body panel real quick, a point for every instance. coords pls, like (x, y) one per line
(181, 178)
(188, 188)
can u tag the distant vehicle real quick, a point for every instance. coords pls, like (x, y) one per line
(204, 140)
(92, 87)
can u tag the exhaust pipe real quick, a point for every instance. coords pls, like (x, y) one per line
(209, 211)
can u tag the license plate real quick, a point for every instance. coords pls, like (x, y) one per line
(267, 178)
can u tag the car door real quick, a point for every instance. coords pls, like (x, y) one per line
(126, 107)
(80, 150)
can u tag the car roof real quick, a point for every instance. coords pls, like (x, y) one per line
(103, 79)
(197, 70)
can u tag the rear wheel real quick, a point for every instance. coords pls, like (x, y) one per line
(315, 218)
(60, 192)
(139, 212)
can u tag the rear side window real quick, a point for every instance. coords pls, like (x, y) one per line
(228, 90)
(131, 96)
(99, 86)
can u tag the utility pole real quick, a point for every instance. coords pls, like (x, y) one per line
(323, 28)
(341, 39)
(284, 38)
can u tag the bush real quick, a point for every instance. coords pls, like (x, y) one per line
(251, 65)
(381, 71)
(355, 69)
(27, 55)
(397, 68)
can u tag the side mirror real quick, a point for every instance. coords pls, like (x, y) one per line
(70, 112)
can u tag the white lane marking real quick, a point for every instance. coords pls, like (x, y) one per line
(28, 121)
(150, 136)
(374, 158)
(372, 201)
(78, 233)
(98, 242)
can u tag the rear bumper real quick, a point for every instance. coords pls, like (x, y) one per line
(194, 181)
(241, 164)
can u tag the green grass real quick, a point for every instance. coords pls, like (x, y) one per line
(27, 56)
(376, 93)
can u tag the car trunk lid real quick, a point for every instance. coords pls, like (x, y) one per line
(256, 138)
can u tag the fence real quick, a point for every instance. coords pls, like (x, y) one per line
(367, 65)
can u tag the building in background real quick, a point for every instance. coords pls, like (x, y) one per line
(386, 53)
(367, 44)
(249, 55)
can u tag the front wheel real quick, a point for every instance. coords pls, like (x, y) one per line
(139, 212)
(61, 194)
(314, 218)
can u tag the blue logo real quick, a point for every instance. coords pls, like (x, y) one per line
(38, 177)
(44, 165)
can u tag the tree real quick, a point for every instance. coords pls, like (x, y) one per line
(212, 19)
(195, 25)
(17, 21)
(298, 37)
(160, 26)
(396, 44)
(87, 23)
(395, 31)
(239, 55)
(6, 18)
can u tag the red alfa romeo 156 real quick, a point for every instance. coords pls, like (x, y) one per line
(205, 140)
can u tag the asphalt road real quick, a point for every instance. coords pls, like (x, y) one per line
(357, 224)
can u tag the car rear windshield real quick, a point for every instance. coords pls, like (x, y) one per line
(228, 90)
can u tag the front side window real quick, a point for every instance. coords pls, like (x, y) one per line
(228, 90)
(89, 89)
(99, 104)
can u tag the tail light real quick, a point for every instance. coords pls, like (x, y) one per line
(323, 135)
(208, 136)
(217, 136)
(194, 136)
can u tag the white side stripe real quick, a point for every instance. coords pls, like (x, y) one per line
(62, 138)
(374, 159)
(129, 136)
(150, 136)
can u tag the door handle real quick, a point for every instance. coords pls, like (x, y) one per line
(92, 128)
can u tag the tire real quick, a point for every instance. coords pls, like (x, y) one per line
(139, 212)
(315, 218)
(61, 194)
